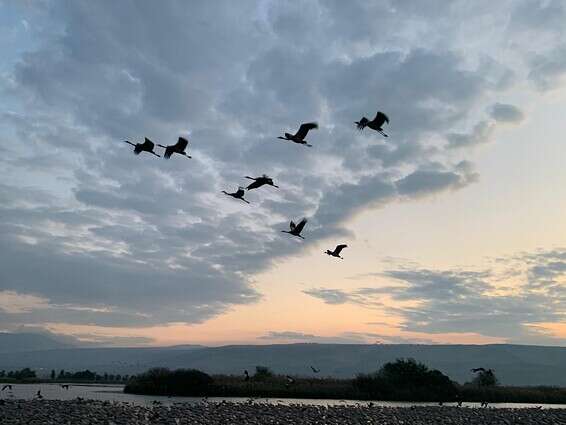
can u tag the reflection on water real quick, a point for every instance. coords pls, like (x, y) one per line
(114, 393)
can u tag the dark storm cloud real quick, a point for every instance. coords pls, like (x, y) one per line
(91, 224)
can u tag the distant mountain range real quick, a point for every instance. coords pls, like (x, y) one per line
(513, 364)
(16, 342)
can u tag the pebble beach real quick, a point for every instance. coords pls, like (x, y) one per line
(82, 412)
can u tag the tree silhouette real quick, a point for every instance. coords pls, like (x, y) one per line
(485, 378)
(262, 373)
(405, 379)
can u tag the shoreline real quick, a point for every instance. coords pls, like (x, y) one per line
(16, 412)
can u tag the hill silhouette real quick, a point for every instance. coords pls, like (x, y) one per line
(514, 364)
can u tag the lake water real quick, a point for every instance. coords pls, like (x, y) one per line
(114, 393)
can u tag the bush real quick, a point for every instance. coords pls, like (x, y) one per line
(262, 373)
(161, 381)
(485, 378)
(406, 380)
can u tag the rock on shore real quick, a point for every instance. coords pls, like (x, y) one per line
(44, 412)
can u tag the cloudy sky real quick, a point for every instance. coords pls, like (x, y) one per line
(454, 223)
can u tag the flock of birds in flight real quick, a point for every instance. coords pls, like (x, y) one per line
(295, 229)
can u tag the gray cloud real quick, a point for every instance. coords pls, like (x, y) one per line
(503, 112)
(462, 301)
(292, 336)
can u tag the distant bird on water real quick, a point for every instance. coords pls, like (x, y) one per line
(65, 386)
(146, 146)
(289, 380)
(38, 394)
(296, 229)
(178, 147)
(260, 181)
(337, 251)
(7, 387)
(375, 124)
(239, 194)
(299, 136)
(314, 369)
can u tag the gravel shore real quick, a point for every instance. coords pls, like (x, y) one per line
(79, 412)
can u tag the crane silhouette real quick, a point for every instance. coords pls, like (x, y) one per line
(146, 146)
(178, 147)
(296, 229)
(314, 369)
(337, 251)
(299, 136)
(239, 194)
(7, 387)
(375, 124)
(260, 181)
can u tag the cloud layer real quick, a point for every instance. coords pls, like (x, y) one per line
(513, 301)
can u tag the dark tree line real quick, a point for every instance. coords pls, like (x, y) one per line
(87, 375)
(82, 375)
(25, 373)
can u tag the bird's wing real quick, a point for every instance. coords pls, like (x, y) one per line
(292, 225)
(182, 143)
(380, 118)
(305, 128)
(148, 144)
(301, 225)
(339, 248)
(254, 185)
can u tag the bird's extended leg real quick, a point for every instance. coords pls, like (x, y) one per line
(247, 202)
(382, 133)
(155, 154)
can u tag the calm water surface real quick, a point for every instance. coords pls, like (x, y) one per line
(114, 393)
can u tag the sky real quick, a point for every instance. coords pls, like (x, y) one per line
(454, 223)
